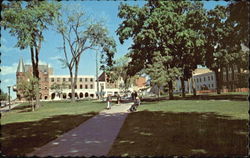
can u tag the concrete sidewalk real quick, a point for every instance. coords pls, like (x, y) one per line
(6, 108)
(92, 138)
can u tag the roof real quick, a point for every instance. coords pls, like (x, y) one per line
(20, 67)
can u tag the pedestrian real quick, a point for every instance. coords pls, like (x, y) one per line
(137, 103)
(133, 96)
(109, 101)
(118, 99)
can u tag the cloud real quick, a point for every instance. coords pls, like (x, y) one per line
(8, 81)
(55, 57)
(5, 49)
(6, 70)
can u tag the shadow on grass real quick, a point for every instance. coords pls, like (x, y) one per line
(164, 133)
(22, 138)
(202, 97)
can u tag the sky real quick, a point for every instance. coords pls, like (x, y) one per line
(50, 53)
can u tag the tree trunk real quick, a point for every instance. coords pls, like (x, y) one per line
(182, 87)
(76, 72)
(72, 88)
(193, 86)
(34, 59)
(233, 79)
(159, 93)
(170, 90)
(217, 76)
(32, 105)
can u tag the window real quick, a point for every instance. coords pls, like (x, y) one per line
(69, 86)
(211, 77)
(208, 78)
(80, 86)
(91, 86)
(52, 79)
(197, 80)
(64, 79)
(45, 87)
(91, 79)
(80, 79)
(86, 80)
(75, 86)
(200, 79)
(209, 85)
(58, 79)
(69, 79)
(86, 86)
(212, 85)
(204, 78)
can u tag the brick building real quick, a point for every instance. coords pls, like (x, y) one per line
(86, 86)
(44, 72)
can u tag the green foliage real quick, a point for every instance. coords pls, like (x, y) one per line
(28, 87)
(168, 38)
(3, 96)
(58, 88)
(27, 21)
(238, 11)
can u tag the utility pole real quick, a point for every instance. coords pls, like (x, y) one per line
(97, 78)
(9, 95)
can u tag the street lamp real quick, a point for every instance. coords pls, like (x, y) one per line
(9, 95)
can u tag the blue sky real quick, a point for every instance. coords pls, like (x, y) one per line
(49, 52)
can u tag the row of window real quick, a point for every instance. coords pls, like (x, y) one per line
(204, 79)
(205, 86)
(69, 79)
(80, 87)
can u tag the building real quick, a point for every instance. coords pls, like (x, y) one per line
(202, 79)
(86, 86)
(44, 72)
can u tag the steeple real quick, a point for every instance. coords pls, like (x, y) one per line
(20, 67)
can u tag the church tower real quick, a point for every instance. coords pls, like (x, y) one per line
(20, 74)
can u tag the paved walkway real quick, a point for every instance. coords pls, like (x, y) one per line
(92, 138)
(6, 108)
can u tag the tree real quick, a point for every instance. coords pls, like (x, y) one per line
(27, 22)
(3, 96)
(58, 88)
(80, 35)
(221, 48)
(29, 88)
(161, 26)
(189, 40)
(238, 11)
(157, 72)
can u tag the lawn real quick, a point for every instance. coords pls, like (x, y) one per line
(23, 131)
(22, 113)
(184, 128)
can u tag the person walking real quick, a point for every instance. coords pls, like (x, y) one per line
(118, 99)
(109, 101)
(137, 102)
(133, 96)
(135, 93)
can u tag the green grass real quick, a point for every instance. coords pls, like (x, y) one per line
(22, 112)
(235, 109)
